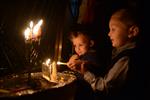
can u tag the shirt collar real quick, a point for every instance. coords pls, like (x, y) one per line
(116, 51)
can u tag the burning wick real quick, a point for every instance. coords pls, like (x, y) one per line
(61, 63)
(48, 61)
(36, 29)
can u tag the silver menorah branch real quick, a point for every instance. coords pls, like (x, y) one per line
(32, 42)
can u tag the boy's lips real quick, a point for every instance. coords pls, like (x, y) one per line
(111, 39)
(79, 53)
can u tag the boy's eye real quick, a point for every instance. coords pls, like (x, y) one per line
(74, 46)
(112, 29)
(80, 44)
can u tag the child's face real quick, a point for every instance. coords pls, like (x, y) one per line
(81, 44)
(118, 32)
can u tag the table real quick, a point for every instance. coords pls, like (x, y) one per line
(21, 87)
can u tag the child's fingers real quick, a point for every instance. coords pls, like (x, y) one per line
(73, 68)
(70, 65)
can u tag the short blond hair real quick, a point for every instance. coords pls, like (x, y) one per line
(127, 16)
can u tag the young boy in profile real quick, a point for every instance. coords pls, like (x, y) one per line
(119, 79)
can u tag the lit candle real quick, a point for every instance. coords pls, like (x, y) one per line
(37, 29)
(54, 72)
(48, 61)
(46, 69)
(31, 25)
(61, 63)
(33, 31)
(27, 34)
(49, 70)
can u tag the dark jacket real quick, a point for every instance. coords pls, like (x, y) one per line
(123, 79)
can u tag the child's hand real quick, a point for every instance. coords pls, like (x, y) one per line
(73, 62)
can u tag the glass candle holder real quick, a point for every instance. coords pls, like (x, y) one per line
(49, 71)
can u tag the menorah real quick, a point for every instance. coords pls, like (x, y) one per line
(32, 44)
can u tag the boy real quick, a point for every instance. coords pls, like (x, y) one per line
(120, 77)
(84, 54)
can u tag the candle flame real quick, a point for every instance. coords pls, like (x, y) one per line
(36, 29)
(33, 31)
(27, 33)
(48, 61)
(61, 63)
(40, 22)
(31, 24)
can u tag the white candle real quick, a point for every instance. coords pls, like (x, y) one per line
(54, 72)
(61, 63)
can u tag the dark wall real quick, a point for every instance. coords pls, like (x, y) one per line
(14, 18)
(16, 14)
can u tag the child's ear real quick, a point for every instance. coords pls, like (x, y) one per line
(133, 31)
(91, 43)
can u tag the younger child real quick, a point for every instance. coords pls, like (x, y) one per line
(84, 54)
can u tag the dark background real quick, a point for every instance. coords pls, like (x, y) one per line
(16, 14)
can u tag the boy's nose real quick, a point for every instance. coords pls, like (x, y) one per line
(109, 34)
(78, 48)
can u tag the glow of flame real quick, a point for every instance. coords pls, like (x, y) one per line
(61, 63)
(40, 22)
(27, 33)
(31, 24)
(37, 28)
(33, 31)
(48, 61)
